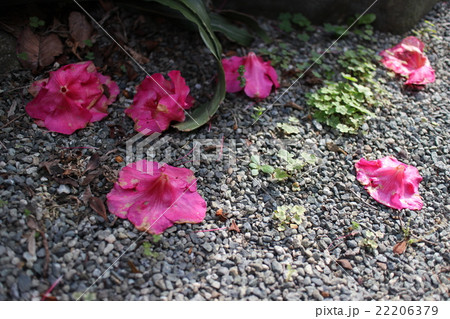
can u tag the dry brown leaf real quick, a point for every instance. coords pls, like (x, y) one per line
(93, 162)
(80, 29)
(98, 206)
(345, 264)
(89, 178)
(32, 244)
(400, 247)
(40, 50)
(31, 222)
(234, 227)
(137, 56)
(87, 194)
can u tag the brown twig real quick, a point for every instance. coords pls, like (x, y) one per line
(18, 117)
(294, 105)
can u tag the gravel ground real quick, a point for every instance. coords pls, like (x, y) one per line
(260, 262)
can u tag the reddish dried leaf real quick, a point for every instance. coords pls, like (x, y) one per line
(133, 268)
(324, 294)
(222, 216)
(80, 29)
(345, 264)
(40, 51)
(98, 206)
(49, 298)
(93, 162)
(234, 227)
(400, 247)
(50, 46)
(87, 194)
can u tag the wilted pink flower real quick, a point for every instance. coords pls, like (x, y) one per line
(155, 197)
(73, 95)
(390, 182)
(407, 58)
(158, 102)
(258, 76)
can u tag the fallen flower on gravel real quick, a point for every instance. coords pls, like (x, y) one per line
(155, 197)
(72, 96)
(250, 73)
(390, 182)
(407, 58)
(159, 101)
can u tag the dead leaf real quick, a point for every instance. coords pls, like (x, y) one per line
(93, 162)
(52, 167)
(80, 29)
(190, 251)
(40, 51)
(90, 177)
(400, 247)
(98, 206)
(87, 194)
(32, 244)
(31, 222)
(137, 56)
(133, 268)
(234, 227)
(311, 79)
(222, 216)
(324, 294)
(66, 181)
(345, 264)
(119, 159)
(12, 108)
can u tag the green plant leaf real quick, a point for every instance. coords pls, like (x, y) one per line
(248, 21)
(255, 159)
(232, 32)
(279, 174)
(195, 11)
(266, 169)
(288, 128)
(254, 172)
(367, 18)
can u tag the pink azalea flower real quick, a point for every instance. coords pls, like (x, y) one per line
(407, 58)
(259, 76)
(72, 96)
(390, 182)
(158, 102)
(155, 197)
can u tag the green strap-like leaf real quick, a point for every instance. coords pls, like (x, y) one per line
(195, 11)
(232, 32)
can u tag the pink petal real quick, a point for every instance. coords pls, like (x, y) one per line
(407, 59)
(414, 42)
(158, 102)
(110, 91)
(155, 198)
(259, 77)
(71, 97)
(421, 76)
(66, 118)
(390, 182)
(231, 67)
